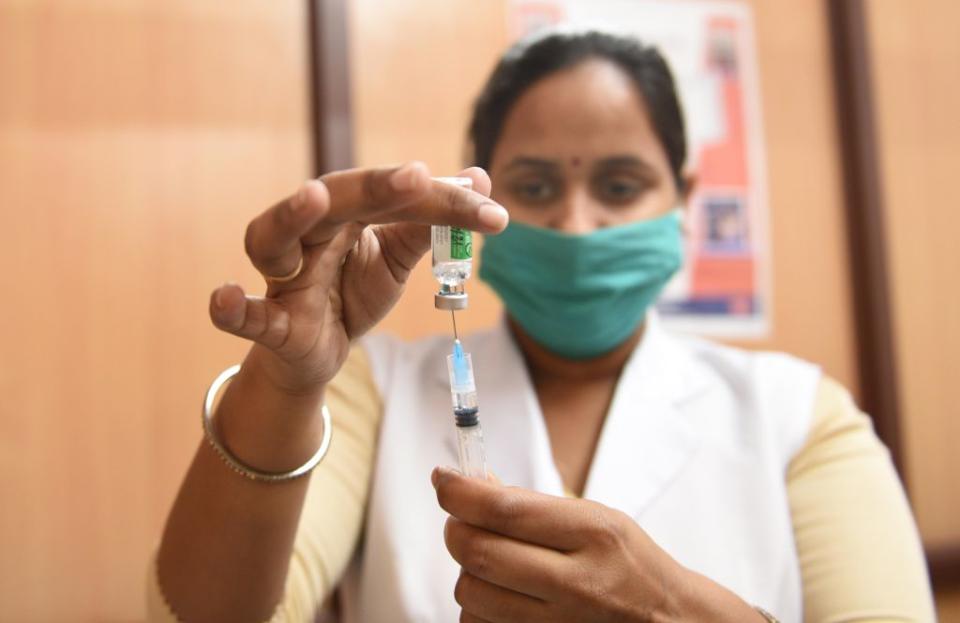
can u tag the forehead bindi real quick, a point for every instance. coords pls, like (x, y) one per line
(577, 115)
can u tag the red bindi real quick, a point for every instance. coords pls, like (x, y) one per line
(575, 161)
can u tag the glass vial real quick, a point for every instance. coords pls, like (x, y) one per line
(452, 257)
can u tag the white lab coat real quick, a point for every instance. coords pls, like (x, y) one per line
(695, 448)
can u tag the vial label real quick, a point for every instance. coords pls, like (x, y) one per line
(452, 243)
(461, 244)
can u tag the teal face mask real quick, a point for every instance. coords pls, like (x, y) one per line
(581, 296)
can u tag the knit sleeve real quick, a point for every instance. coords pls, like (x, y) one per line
(859, 550)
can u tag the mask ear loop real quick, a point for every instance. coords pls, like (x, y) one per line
(684, 216)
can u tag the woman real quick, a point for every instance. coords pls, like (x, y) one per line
(723, 485)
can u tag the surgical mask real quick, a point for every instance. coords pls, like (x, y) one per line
(581, 296)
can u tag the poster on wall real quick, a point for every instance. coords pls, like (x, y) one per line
(724, 288)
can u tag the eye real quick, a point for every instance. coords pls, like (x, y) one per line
(534, 190)
(618, 189)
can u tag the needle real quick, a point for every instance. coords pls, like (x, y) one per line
(454, 316)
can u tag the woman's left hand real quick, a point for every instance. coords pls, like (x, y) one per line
(527, 556)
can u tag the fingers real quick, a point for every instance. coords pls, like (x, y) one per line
(521, 514)
(448, 204)
(364, 195)
(480, 179)
(317, 212)
(483, 601)
(254, 318)
(272, 239)
(402, 245)
(388, 195)
(521, 567)
(321, 262)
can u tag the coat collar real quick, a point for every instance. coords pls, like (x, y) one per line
(646, 438)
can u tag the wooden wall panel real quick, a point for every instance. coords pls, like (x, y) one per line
(948, 607)
(136, 140)
(811, 284)
(418, 66)
(916, 63)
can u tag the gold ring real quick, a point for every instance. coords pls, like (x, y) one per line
(288, 277)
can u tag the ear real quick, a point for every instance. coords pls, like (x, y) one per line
(689, 183)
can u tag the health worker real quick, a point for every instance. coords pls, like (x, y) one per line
(638, 474)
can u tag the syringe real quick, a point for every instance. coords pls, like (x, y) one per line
(466, 413)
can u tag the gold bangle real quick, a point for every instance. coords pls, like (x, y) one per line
(242, 468)
(769, 617)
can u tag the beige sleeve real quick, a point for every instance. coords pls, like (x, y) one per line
(860, 554)
(332, 517)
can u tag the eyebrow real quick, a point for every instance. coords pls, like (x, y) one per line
(536, 163)
(625, 161)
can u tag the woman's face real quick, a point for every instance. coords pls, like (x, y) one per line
(578, 152)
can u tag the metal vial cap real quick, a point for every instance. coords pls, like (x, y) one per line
(453, 301)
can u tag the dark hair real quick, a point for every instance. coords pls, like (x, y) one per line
(530, 60)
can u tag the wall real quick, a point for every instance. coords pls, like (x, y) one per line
(916, 63)
(414, 74)
(136, 141)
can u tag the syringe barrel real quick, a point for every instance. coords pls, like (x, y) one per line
(473, 463)
(460, 370)
(463, 391)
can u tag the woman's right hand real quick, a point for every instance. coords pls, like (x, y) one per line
(359, 233)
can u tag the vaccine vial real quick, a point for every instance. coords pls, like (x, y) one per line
(452, 257)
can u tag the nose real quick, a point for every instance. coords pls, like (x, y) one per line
(574, 215)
